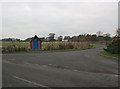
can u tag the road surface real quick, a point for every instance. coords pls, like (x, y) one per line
(85, 68)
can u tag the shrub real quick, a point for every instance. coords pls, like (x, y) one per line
(50, 47)
(67, 45)
(14, 48)
(81, 45)
(115, 40)
(114, 46)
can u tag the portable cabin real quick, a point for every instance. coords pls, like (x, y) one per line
(35, 43)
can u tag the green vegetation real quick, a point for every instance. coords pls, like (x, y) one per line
(0, 44)
(93, 46)
(113, 47)
(0, 49)
(109, 54)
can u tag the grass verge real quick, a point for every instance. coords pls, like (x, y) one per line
(93, 46)
(117, 56)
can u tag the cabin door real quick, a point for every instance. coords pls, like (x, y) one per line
(35, 44)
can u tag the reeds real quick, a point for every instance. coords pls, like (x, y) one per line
(49, 46)
(14, 48)
(68, 45)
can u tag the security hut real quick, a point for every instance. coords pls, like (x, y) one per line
(35, 43)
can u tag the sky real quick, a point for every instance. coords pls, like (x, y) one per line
(26, 19)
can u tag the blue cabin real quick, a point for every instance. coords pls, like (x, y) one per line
(35, 43)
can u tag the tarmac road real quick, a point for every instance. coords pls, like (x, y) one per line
(85, 68)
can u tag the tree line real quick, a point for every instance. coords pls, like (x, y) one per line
(99, 36)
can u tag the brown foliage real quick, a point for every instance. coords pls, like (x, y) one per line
(68, 45)
(14, 48)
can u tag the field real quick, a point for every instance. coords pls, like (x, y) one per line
(6, 44)
(27, 44)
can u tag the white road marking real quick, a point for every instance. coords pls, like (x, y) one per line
(34, 83)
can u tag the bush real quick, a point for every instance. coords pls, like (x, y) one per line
(14, 48)
(114, 47)
(81, 45)
(67, 45)
(50, 47)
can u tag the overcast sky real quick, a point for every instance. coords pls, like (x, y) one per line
(22, 20)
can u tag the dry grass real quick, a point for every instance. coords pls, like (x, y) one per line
(81, 45)
(14, 48)
(47, 46)
(102, 42)
(68, 45)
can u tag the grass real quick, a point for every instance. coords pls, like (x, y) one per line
(6, 44)
(27, 44)
(38, 51)
(0, 49)
(44, 44)
(110, 55)
(93, 46)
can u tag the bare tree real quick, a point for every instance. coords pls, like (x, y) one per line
(60, 38)
(99, 33)
(107, 35)
(51, 37)
(66, 38)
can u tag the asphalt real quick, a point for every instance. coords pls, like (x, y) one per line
(85, 68)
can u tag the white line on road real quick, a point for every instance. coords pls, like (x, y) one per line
(34, 83)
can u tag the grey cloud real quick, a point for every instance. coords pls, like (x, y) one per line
(27, 19)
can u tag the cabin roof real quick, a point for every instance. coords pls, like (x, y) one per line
(35, 37)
